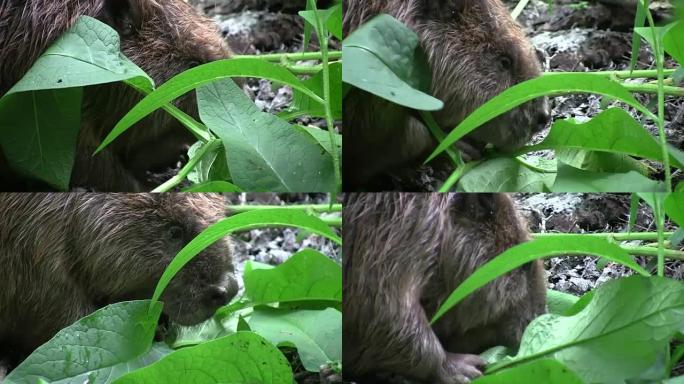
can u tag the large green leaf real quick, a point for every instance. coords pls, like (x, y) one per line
(559, 302)
(317, 335)
(40, 117)
(673, 41)
(570, 179)
(243, 357)
(308, 275)
(550, 84)
(384, 57)
(264, 153)
(203, 74)
(97, 349)
(266, 218)
(535, 249)
(618, 335)
(613, 130)
(505, 175)
(538, 371)
(674, 208)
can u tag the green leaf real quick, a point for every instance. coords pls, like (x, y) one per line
(673, 42)
(521, 254)
(323, 138)
(213, 186)
(550, 84)
(98, 348)
(242, 222)
(204, 74)
(505, 175)
(39, 131)
(639, 20)
(264, 153)
(623, 330)
(570, 179)
(331, 19)
(315, 83)
(613, 130)
(384, 57)
(243, 357)
(559, 302)
(40, 117)
(674, 208)
(317, 335)
(308, 275)
(596, 161)
(538, 371)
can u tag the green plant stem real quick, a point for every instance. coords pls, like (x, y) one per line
(327, 98)
(660, 57)
(210, 146)
(652, 251)
(653, 88)
(304, 69)
(299, 56)
(320, 208)
(460, 171)
(439, 135)
(619, 236)
(631, 75)
(518, 8)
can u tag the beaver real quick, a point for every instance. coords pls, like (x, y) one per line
(475, 51)
(65, 255)
(404, 253)
(163, 37)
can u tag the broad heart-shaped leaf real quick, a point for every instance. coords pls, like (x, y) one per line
(243, 357)
(617, 336)
(317, 335)
(559, 302)
(96, 349)
(556, 245)
(596, 161)
(39, 131)
(243, 222)
(264, 153)
(674, 208)
(203, 74)
(315, 83)
(538, 371)
(505, 175)
(384, 57)
(40, 117)
(570, 179)
(613, 130)
(308, 275)
(673, 41)
(550, 84)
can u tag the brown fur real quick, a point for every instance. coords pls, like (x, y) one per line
(475, 51)
(65, 255)
(404, 253)
(163, 37)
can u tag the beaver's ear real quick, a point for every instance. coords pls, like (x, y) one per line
(123, 15)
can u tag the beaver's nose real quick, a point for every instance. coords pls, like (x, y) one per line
(219, 296)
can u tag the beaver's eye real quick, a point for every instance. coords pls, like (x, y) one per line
(175, 233)
(506, 63)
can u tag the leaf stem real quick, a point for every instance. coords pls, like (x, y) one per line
(319, 208)
(298, 56)
(210, 146)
